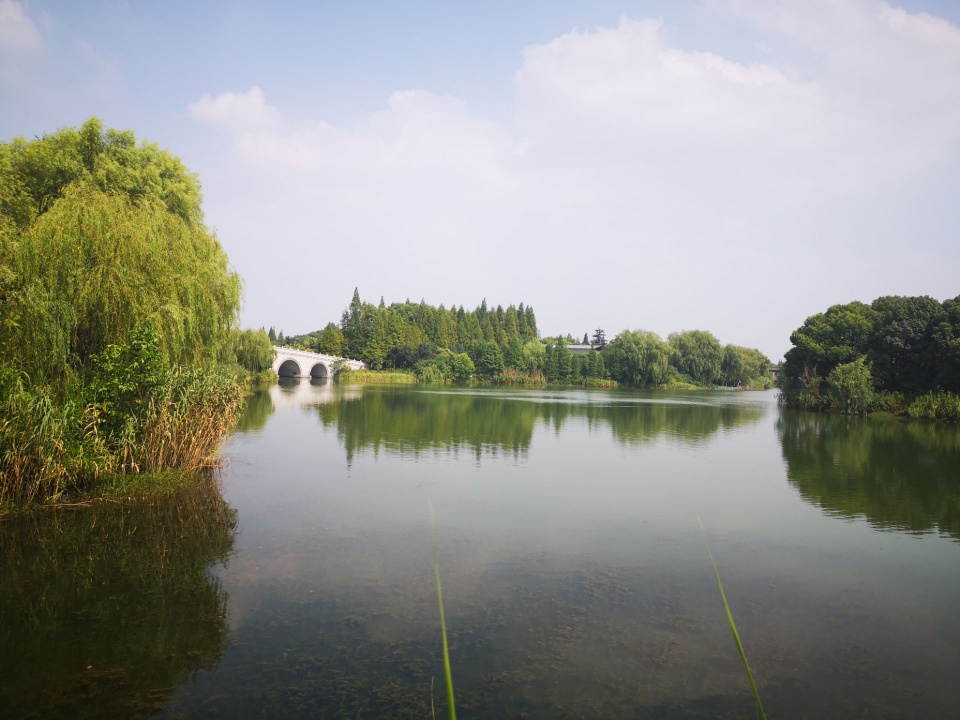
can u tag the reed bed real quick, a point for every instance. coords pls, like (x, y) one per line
(53, 448)
(383, 377)
(185, 427)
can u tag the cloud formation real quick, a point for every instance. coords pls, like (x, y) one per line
(881, 99)
(237, 111)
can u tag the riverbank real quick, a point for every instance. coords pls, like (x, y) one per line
(938, 405)
(515, 378)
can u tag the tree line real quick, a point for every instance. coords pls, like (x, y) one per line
(503, 345)
(897, 354)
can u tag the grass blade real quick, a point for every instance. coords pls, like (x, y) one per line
(451, 706)
(733, 626)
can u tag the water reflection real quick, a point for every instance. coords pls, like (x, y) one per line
(897, 474)
(406, 420)
(258, 409)
(105, 609)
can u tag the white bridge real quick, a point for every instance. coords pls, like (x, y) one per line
(288, 362)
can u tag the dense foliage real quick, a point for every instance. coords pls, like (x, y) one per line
(693, 358)
(503, 345)
(117, 304)
(97, 235)
(899, 354)
(253, 350)
(435, 342)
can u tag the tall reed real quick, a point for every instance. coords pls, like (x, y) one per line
(51, 447)
(184, 427)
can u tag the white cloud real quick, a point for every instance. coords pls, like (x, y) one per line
(240, 112)
(18, 34)
(419, 143)
(889, 78)
(879, 101)
(626, 78)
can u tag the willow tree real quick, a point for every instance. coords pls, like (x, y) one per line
(698, 354)
(99, 236)
(638, 357)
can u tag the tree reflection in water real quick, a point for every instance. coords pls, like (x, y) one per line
(105, 609)
(898, 474)
(491, 423)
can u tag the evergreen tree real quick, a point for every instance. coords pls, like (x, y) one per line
(489, 360)
(564, 363)
(550, 366)
(513, 354)
(531, 323)
(352, 325)
(510, 324)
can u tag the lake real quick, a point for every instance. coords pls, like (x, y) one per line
(576, 581)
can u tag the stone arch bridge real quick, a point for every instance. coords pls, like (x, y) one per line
(288, 362)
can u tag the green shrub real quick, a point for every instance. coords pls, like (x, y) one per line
(850, 387)
(936, 405)
(428, 372)
(892, 403)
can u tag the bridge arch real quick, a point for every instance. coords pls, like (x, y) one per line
(321, 370)
(289, 368)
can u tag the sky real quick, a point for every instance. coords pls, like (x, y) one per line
(724, 165)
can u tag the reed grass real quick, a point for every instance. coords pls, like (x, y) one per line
(185, 426)
(733, 626)
(383, 377)
(509, 376)
(52, 448)
(448, 675)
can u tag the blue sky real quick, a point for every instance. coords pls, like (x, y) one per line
(728, 165)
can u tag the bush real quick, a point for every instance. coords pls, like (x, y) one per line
(888, 402)
(429, 372)
(850, 387)
(937, 405)
(462, 367)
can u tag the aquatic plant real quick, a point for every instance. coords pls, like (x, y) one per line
(448, 675)
(733, 626)
(382, 377)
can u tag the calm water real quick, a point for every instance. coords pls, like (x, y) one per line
(575, 578)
